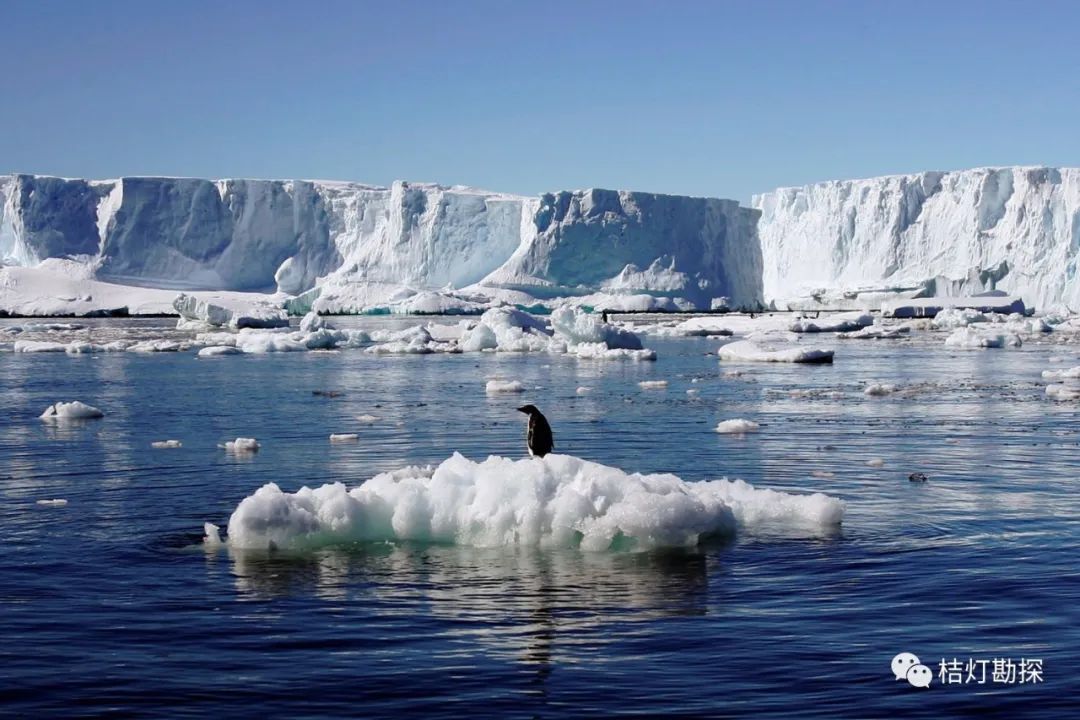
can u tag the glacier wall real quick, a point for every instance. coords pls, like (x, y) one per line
(1011, 229)
(693, 248)
(291, 236)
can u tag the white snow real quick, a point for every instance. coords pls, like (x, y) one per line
(737, 426)
(74, 410)
(555, 501)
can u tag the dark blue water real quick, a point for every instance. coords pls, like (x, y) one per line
(109, 606)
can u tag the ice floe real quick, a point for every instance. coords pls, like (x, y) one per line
(74, 410)
(504, 386)
(757, 351)
(737, 426)
(555, 501)
(241, 445)
(166, 444)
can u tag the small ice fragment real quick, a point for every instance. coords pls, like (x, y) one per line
(504, 386)
(653, 384)
(823, 474)
(692, 391)
(242, 445)
(74, 410)
(343, 437)
(733, 373)
(879, 389)
(737, 426)
(875, 462)
(166, 444)
(367, 419)
(584, 390)
(213, 534)
(217, 350)
(55, 502)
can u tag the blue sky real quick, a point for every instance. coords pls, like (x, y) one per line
(703, 98)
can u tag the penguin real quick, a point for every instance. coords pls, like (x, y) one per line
(538, 438)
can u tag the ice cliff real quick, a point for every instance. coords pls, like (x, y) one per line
(293, 236)
(945, 233)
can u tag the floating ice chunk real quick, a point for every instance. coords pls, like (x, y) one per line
(967, 337)
(750, 351)
(166, 444)
(600, 351)
(253, 315)
(314, 321)
(842, 322)
(504, 386)
(55, 502)
(737, 426)
(554, 501)
(929, 307)
(344, 437)
(152, 346)
(575, 326)
(39, 346)
(211, 535)
(653, 384)
(875, 462)
(692, 391)
(950, 318)
(582, 390)
(876, 332)
(1063, 391)
(1070, 374)
(74, 410)
(219, 350)
(822, 474)
(242, 445)
(879, 389)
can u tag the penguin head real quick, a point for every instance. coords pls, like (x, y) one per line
(528, 409)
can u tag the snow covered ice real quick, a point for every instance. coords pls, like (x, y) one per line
(555, 501)
(242, 445)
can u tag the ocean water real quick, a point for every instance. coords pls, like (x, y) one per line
(111, 606)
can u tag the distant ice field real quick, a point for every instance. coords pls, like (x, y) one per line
(478, 600)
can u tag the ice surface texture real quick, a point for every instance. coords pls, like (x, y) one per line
(555, 501)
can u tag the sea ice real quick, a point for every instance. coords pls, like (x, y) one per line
(74, 410)
(879, 389)
(554, 501)
(56, 502)
(166, 444)
(505, 386)
(750, 351)
(653, 384)
(344, 437)
(242, 445)
(968, 337)
(737, 426)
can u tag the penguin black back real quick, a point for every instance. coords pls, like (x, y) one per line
(539, 439)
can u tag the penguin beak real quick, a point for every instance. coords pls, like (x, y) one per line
(522, 410)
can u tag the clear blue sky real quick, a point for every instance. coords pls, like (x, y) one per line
(703, 98)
